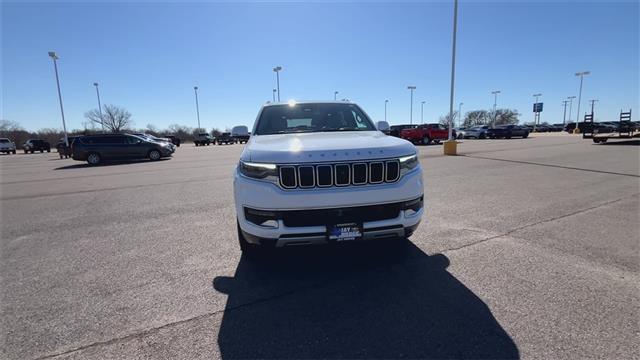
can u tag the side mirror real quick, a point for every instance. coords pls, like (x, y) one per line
(382, 126)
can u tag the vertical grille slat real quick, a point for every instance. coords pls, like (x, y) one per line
(342, 174)
(306, 176)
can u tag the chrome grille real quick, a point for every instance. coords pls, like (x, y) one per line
(340, 174)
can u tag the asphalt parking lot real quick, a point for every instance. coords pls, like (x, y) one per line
(529, 248)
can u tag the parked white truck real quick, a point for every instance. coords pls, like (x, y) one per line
(321, 172)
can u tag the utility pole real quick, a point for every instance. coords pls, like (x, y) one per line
(570, 106)
(277, 70)
(460, 114)
(593, 101)
(536, 114)
(422, 112)
(564, 115)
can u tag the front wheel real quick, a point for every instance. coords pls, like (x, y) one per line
(526, 135)
(14, 152)
(248, 249)
(426, 140)
(94, 159)
(154, 155)
(482, 136)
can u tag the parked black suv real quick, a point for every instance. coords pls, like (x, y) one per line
(33, 145)
(96, 148)
(507, 132)
(225, 138)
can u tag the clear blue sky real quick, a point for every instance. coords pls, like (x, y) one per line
(148, 56)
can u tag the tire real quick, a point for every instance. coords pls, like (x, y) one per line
(26, 151)
(48, 150)
(14, 152)
(41, 151)
(94, 158)
(508, 136)
(33, 151)
(196, 143)
(482, 136)
(426, 140)
(526, 135)
(154, 155)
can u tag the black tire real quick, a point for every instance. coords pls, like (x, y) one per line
(48, 150)
(426, 140)
(195, 143)
(94, 159)
(14, 152)
(508, 136)
(41, 151)
(26, 151)
(33, 151)
(526, 135)
(154, 155)
(482, 136)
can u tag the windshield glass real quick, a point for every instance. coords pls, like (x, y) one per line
(4, 140)
(283, 119)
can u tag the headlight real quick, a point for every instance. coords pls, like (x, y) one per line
(261, 171)
(408, 163)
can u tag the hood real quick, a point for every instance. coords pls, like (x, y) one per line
(325, 146)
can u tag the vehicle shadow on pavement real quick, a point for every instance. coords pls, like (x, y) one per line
(364, 301)
(623, 142)
(108, 163)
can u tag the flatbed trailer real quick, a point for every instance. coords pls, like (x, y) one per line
(626, 129)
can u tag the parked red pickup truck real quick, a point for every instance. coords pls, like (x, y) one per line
(426, 133)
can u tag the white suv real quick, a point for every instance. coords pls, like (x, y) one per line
(321, 172)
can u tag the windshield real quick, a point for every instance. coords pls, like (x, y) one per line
(283, 119)
(4, 140)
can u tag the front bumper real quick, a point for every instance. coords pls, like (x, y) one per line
(282, 231)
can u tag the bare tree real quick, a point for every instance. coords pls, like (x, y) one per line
(444, 120)
(477, 117)
(115, 118)
(506, 116)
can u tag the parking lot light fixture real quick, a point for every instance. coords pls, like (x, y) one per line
(54, 57)
(335, 95)
(451, 146)
(581, 74)
(460, 114)
(274, 95)
(277, 70)
(411, 88)
(422, 112)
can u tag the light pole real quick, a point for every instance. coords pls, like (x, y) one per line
(99, 105)
(450, 148)
(277, 70)
(460, 114)
(536, 114)
(570, 105)
(495, 102)
(54, 57)
(564, 115)
(422, 112)
(335, 95)
(195, 90)
(274, 95)
(581, 74)
(385, 109)
(411, 88)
